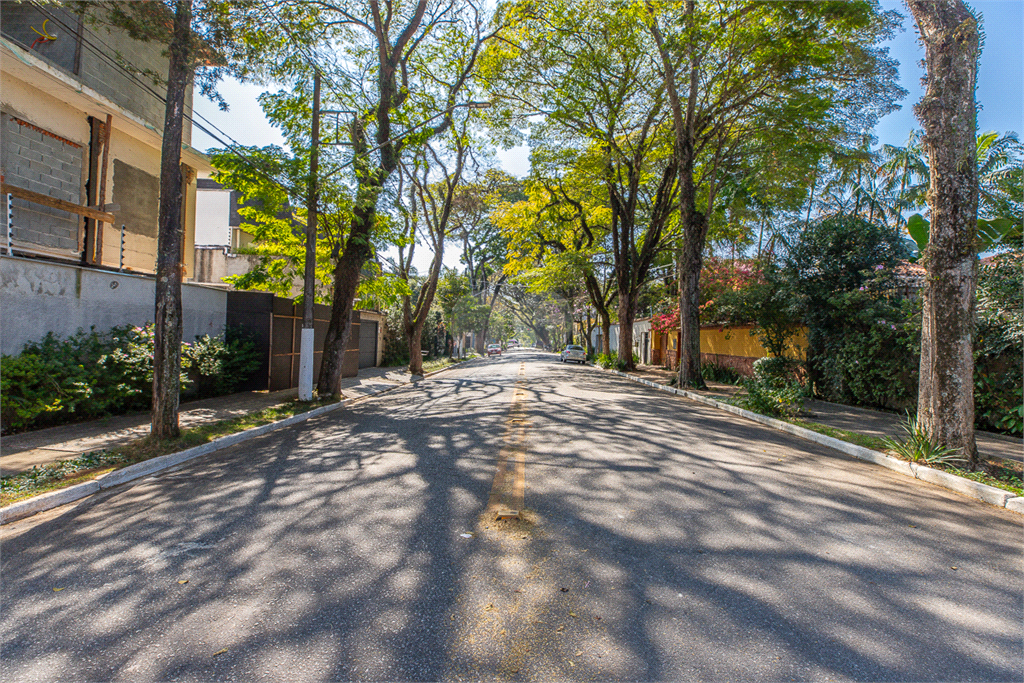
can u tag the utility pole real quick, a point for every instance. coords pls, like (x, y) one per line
(309, 280)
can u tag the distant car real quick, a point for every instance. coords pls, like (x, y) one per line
(513, 343)
(494, 349)
(574, 353)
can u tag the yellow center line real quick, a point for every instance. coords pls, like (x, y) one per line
(508, 492)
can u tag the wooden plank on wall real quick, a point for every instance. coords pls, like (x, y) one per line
(54, 203)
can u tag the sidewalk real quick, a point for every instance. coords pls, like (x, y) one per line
(853, 419)
(20, 452)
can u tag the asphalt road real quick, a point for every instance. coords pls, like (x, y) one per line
(662, 540)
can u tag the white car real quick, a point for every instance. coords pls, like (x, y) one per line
(574, 353)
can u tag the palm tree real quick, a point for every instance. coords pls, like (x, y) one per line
(904, 172)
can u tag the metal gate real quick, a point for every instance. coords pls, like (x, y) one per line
(367, 343)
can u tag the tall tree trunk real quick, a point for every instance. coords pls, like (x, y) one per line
(626, 317)
(346, 283)
(689, 297)
(481, 339)
(168, 323)
(569, 323)
(695, 225)
(606, 329)
(948, 114)
(415, 349)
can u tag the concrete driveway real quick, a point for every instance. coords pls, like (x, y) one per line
(663, 540)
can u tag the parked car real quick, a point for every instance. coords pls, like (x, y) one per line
(574, 353)
(494, 349)
(513, 343)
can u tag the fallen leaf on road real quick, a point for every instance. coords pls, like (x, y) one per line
(560, 628)
(220, 652)
(58, 590)
(579, 653)
(953, 568)
(183, 581)
(570, 663)
(565, 590)
(573, 615)
(490, 607)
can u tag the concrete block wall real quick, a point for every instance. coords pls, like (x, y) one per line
(37, 297)
(50, 165)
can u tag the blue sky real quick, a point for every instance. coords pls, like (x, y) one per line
(1000, 73)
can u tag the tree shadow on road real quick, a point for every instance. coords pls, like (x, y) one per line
(690, 544)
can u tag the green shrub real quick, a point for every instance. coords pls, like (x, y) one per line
(607, 360)
(713, 372)
(89, 375)
(774, 389)
(999, 345)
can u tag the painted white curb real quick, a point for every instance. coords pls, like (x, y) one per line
(48, 501)
(983, 492)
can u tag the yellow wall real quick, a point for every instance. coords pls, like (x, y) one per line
(737, 341)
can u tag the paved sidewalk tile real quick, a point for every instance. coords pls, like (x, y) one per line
(21, 452)
(861, 420)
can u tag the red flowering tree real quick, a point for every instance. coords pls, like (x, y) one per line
(717, 277)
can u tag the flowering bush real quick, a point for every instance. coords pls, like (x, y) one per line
(719, 278)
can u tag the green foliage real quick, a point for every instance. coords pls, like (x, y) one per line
(76, 378)
(216, 365)
(919, 447)
(991, 233)
(875, 361)
(861, 334)
(713, 372)
(768, 300)
(611, 360)
(90, 375)
(396, 342)
(999, 345)
(40, 476)
(773, 390)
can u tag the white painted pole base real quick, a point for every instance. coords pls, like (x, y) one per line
(306, 365)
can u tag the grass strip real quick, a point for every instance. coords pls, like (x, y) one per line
(438, 363)
(993, 474)
(63, 473)
(875, 443)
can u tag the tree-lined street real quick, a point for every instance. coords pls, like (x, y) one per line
(663, 540)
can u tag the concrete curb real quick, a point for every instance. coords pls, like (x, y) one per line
(48, 501)
(983, 492)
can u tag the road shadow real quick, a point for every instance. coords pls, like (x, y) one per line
(690, 544)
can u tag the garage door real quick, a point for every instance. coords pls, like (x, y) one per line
(367, 343)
